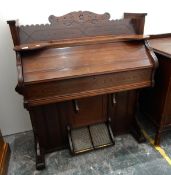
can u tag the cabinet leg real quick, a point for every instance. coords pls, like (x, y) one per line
(135, 128)
(157, 138)
(40, 157)
(136, 132)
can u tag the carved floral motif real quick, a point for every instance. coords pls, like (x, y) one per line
(79, 17)
(75, 25)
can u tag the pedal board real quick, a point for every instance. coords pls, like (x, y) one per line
(90, 138)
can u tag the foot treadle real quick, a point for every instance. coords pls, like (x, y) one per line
(90, 137)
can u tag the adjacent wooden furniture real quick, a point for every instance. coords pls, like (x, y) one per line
(4, 156)
(156, 102)
(79, 70)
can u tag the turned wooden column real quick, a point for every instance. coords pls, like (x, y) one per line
(4, 155)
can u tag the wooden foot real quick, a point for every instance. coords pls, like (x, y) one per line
(40, 163)
(136, 132)
(157, 138)
(40, 158)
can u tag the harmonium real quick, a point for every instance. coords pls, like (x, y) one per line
(80, 76)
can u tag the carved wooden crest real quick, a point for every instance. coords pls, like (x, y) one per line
(75, 25)
(79, 17)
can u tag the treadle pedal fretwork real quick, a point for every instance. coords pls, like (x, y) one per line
(100, 135)
(81, 140)
(90, 138)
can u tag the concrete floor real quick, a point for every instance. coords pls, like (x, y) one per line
(127, 157)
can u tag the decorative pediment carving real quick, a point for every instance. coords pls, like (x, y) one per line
(75, 25)
(79, 17)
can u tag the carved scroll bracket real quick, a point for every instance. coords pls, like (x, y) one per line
(154, 60)
(20, 73)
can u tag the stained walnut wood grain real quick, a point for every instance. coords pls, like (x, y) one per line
(70, 62)
(82, 58)
(162, 46)
(138, 21)
(122, 112)
(84, 87)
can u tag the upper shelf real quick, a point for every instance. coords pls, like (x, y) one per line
(78, 42)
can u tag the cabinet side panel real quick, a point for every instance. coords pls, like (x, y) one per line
(49, 127)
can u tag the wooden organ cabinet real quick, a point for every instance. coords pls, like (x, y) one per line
(80, 76)
(156, 102)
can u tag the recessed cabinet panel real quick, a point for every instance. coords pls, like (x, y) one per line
(87, 111)
(122, 111)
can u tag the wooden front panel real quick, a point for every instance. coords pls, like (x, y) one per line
(50, 121)
(86, 86)
(122, 112)
(91, 110)
(49, 126)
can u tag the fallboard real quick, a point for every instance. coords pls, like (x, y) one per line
(55, 91)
